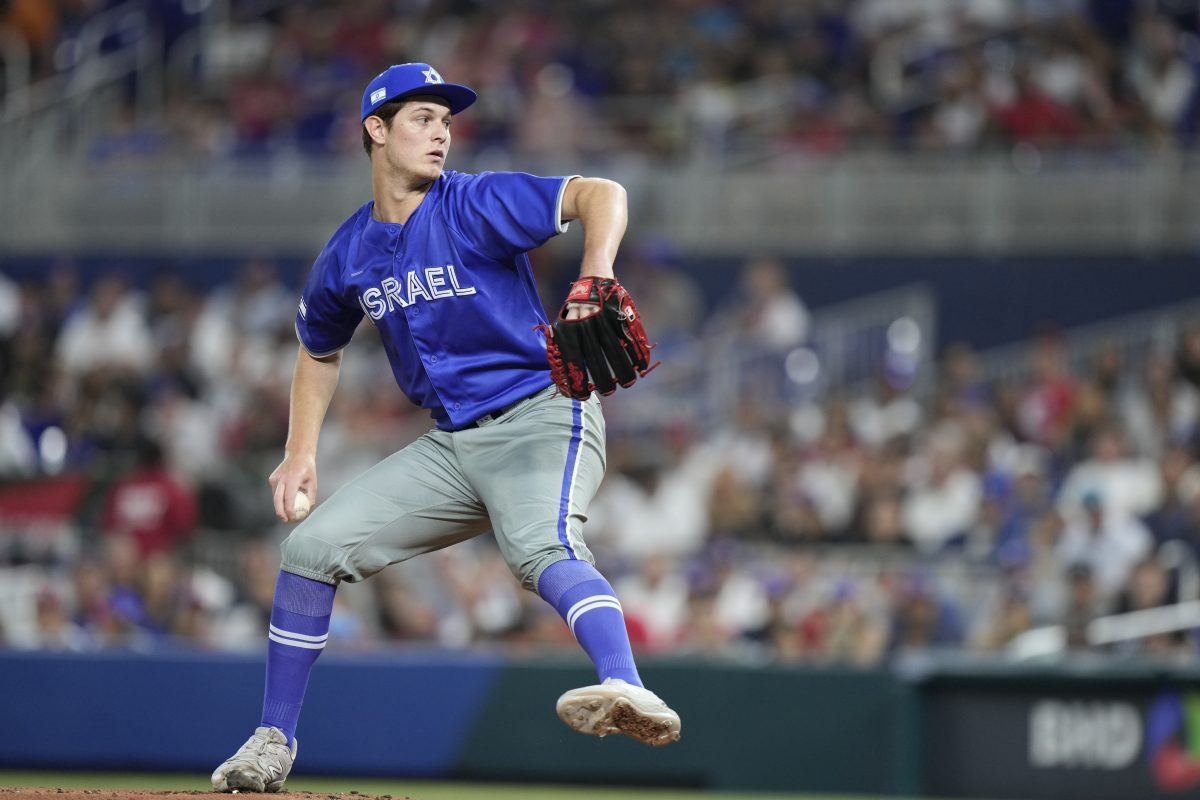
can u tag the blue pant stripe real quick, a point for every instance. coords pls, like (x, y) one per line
(568, 483)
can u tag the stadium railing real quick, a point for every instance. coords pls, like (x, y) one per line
(849, 344)
(1134, 336)
(859, 203)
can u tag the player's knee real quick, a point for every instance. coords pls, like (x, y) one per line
(312, 557)
(529, 571)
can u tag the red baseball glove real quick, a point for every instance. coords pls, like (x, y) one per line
(605, 346)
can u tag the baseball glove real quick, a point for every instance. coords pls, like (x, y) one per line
(605, 346)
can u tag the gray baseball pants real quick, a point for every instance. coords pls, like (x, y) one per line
(528, 475)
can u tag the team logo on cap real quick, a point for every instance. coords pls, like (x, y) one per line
(378, 95)
(431, 76)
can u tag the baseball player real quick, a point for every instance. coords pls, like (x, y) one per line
(437, 261)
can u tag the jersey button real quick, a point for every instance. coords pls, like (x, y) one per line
(433, 359)
(457, 406)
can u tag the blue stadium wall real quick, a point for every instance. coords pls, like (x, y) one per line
(987, 301)
(437, 714)
(1084, 731)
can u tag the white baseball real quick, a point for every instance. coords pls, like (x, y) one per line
(300, 506)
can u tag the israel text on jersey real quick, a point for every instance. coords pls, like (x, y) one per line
(439, 283)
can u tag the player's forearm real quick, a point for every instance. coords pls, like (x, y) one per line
(313, 384)
(602, 207)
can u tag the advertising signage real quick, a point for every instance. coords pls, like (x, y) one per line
(1027, 738)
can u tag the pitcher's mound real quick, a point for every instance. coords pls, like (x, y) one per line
(137, 794)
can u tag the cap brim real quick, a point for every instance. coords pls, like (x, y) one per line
(460, 98)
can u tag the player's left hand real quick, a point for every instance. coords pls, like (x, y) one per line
(598, 340)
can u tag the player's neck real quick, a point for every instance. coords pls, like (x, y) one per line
(396, 200)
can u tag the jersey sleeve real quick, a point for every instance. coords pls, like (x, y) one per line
(326, 318)
(506, 213)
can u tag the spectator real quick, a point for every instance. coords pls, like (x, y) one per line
(188, 432)
(922, 620)
(960, 380)
(1027, 497)
(729, 81)
(1162, 79)
(109, 332)
(1035, 117)
(1091, 411)
(741, 604)
(771, 315)
(241, 624)
(1171, 520)
(235, 332)
(1187, 353)
(1105, 539)
(665, 492)
(889, 412)
(854, 627)
(1128, 485)
(1084, 604)
(944, 502)
(739, 510)
(55, 629)
(828, 474)
(1043, 412)
(150, 505)
(18, 456)
(1160, 410)
(1012, 618)
(93, 615)
(404, 615)
(883, 519)
(1149, 587)
(655, 601)
(1044, 577)
(959, 119)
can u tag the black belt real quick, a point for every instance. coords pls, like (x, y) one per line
(497, 414)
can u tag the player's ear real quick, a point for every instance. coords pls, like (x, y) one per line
(376, 128)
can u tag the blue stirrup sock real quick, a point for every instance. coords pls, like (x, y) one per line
(299, 628)
(587, 602)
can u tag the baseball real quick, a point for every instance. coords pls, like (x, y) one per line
(300, 506)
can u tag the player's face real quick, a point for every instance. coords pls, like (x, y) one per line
(418, 141)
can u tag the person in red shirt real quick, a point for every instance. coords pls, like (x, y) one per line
(1034, 116)
(150, 504)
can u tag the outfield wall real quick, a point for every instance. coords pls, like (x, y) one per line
(1097, 732)
(450, 715)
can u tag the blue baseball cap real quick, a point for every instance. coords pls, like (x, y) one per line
(402, 80)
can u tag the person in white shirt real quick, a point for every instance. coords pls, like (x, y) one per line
(1109, 542)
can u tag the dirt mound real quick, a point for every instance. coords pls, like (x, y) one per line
(138, 794)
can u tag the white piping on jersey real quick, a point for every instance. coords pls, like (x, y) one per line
(559, 225)
(303, 640)
(589, 604)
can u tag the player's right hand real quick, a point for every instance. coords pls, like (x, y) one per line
(293, 474)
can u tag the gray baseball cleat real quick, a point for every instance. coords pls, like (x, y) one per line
(262, 764)
(619, 707)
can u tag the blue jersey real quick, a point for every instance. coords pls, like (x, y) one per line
(450, 291)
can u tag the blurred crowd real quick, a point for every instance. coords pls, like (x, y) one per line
(664, 80)
(852, 525)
